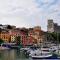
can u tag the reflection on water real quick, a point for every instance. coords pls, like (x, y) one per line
(12, 55)
(15, 55)
(7, 55)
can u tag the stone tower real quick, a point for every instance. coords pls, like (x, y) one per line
(50, 26)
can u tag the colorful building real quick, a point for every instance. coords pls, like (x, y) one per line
(4, 35)
(28, 36)
(37, 34)
(16, 33)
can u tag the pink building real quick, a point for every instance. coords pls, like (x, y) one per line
(25, 39)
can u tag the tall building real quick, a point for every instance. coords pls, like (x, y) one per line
(52, 27)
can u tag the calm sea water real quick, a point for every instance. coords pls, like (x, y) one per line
(15, 55)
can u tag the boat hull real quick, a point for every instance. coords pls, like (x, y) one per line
(46, 57)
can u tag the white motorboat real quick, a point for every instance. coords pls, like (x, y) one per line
(42, 54)
(31, 52)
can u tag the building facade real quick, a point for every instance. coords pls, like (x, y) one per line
(16, 33)
(37, 34)
(4, 35)
(53, 27)
(7, 26)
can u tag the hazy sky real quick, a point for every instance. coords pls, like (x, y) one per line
(29, 13)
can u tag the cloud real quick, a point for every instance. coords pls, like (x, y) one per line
(29, 13)
(17, 12)
(46, 2)
(49, 10)
(17, 7)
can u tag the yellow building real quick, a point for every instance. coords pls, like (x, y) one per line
(13, 38)
(4, 35)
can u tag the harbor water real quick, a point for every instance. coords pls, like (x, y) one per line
(15, 54)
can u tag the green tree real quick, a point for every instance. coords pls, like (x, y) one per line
(56, 36)
(0, 30)
(59, 37)
(18, 40)
(9, 27)
(1, 41)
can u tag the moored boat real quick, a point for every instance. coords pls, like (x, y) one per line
(43, 54)
(3, 48)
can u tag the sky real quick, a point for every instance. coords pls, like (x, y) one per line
(29, 13)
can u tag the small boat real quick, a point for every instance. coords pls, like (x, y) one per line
(24, 49)
(3, 48)
(39, 54)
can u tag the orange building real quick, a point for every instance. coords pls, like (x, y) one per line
(37, 34)
(4, 35)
